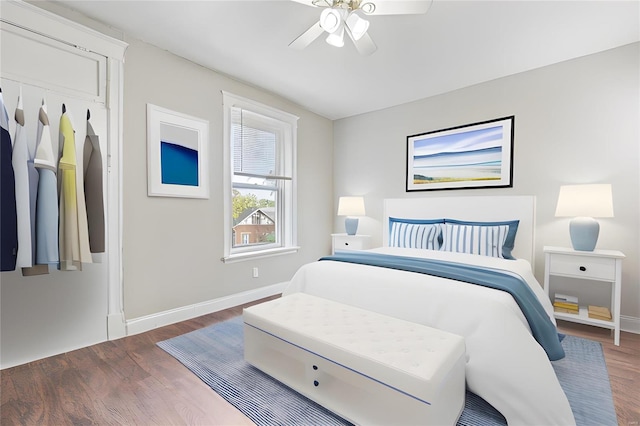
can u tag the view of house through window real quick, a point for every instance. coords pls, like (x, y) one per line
(254, 216)
(261, 144)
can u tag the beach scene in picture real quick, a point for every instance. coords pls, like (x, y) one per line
(473, 155)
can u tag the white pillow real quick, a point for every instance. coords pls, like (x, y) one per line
(415, 235)
(474, 239)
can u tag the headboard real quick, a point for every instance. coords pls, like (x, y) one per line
(472, 208)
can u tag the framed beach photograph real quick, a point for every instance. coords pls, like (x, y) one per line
(177, 154)
(478, 155)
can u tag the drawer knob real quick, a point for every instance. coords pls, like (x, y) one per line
(315, 367)
(583, 268)
(346, 244)
(316, 383)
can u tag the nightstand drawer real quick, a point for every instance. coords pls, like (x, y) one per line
(342, 242)
(349, 243)
(586, 267)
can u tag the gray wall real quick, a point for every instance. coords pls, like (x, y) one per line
(173, 246)
(575, 122)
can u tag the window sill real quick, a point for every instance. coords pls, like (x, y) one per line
(239, 257)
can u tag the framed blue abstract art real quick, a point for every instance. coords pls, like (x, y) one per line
(177, 156)
(478, 155)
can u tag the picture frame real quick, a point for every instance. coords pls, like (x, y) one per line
(477, 155)
(177, 154)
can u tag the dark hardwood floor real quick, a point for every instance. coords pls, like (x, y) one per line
(131, 381)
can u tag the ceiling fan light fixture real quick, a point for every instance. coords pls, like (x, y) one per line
(336, 38)
(357, 25)
(330, 20)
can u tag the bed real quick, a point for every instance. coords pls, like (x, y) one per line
(507, 363)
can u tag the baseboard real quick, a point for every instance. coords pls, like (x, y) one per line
(630, 324)
(150, 322)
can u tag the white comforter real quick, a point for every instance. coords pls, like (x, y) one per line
(505, 364)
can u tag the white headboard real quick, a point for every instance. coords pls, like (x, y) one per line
(473, 208)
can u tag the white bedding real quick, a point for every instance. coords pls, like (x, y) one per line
(505, 364)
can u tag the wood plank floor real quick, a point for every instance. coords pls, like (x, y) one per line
(623, 364)
(131, 381)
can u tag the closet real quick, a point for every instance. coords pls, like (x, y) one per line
(44, 310)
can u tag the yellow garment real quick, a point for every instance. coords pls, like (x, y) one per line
(74, 234)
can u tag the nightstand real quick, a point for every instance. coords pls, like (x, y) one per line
(349, 242)
(604, 266)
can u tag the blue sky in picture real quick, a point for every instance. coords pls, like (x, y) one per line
(179, 164)
(474, 154)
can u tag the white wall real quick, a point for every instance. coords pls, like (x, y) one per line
(575, 122)
(173, 246)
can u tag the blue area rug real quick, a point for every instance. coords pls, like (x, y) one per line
(215, 355)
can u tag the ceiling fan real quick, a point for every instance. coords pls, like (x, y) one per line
(340, 16)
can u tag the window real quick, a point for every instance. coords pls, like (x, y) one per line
(259, 148)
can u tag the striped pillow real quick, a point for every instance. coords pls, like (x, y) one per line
(474, 239)
(415, 235)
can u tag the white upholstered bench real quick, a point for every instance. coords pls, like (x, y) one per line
(367, 367)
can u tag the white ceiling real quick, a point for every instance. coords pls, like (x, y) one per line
(456, 44)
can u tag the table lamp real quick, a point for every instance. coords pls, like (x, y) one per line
(583, 203)
(351, 206)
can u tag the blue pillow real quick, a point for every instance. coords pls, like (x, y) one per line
(509, 239)
(415, 233)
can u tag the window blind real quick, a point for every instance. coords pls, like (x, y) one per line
(255, 145)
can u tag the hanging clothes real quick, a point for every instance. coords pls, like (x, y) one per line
(92, 163)
(8, 215)
(20, 158)
(34, 178)
(47, 199)
(73, 236)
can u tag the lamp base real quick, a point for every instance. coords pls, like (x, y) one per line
(584, 233)
(351, 225)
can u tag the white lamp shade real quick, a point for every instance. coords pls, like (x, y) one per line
(336, 38)
(330, 20)
(585, 200)
(351, 206)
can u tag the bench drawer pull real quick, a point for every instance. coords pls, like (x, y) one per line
(316, 383)
(583, 268)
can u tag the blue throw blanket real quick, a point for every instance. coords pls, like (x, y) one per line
(543, 330)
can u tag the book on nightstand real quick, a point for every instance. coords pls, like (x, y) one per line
(566, 304)
(599, 312)
(566, 311)
(570, 306)
(566, 298)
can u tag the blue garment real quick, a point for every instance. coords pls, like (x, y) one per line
(8, 214)
(47, 197)
(33, 195)
(543, 330)
(47, 218)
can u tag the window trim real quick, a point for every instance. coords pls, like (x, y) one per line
(289, 209)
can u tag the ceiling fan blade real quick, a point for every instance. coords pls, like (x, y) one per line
(307, 37)
(365, 46)
(315, 3)
(307, 2)
(397, 7)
